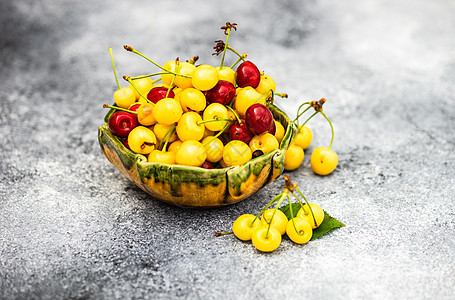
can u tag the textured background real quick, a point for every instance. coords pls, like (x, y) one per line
(71, 226)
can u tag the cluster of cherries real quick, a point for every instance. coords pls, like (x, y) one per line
(201, 116)
(209, 117)
(266, 229)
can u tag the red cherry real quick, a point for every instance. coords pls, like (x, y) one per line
(207, 165)
(223, 92)
(248, 75)
(158, 93)
(125, 143)
(258, 118)
(272, 129)
(121, 123)
(240, 132)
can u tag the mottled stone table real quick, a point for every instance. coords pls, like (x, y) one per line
(71, 226)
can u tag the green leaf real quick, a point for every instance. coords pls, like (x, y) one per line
(329, 223)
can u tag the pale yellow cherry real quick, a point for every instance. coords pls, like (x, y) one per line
(143, 85)
(236, 153)
(265, 142)
(124, 97)
(145, 114)
(204, 77)
(142, 140)
(323, 161)
(168, 77)
(167, 111)
(191, 153)
(304, 137)
(174, 146)
(162, 157)
(192, 99)
(163, 131)
(184, 68)
(279, 131)
(215, 111)
(227, 74)
(315, 216)
(188, 127)
(246, 97)
(266, 85)
(214, 148)
(293, 157)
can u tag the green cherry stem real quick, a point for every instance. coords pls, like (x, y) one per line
(292, 213)
(131, 49)
(282, 95)
(309, 206)
(213, 120)
(331, 127)
(299, 114)
(235, 114)
(113, 67)
(128, 78)
(148, 75)
(119, 108)
(308, 119)
(241, 57)
(226, 45)
(265, 207)
(170, 86)
(167, 136)
(283, 195)
(217, 135)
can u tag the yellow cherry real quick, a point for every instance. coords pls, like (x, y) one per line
(265, 142)
(205, 77)
(185, 69)
(145, 114)
(323, 161)
(161, 130)
(162, 157)
(142, 140)
(246, 97)
(279, 131)
(191, 153)
(236, 153)
(167, 111)
(227, 74)
(214, 148)
(174, 146)
(308, 214)
(188, 127)
(192, 99)
(215, 111)
(304, 137)
(143, 85)
(265, 85)
(293, 157)
(124, 97)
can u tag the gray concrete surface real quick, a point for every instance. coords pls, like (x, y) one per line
(71, 226)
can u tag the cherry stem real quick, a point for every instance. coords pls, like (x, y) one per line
(217, 234)
(308, 119)
(292, 213)
(127, 78)
(235, 114)
(148, 75)
(226, 45)
(216, 135)
(283, 194)
(311, 210)
(213, 120)
(300, 114)
(241, 57)
(131, 49)
(265, 207)
(120, 108)
(167, 136)
(113, 67)
(170, 86)
(331, 127)
(282, 95)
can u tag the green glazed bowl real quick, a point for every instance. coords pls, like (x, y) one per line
(197, 187)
